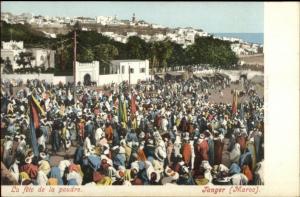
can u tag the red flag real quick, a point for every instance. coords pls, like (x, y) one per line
(133, 105)
(35, 117)
(36, 110)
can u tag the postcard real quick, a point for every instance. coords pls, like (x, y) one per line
(149, 98)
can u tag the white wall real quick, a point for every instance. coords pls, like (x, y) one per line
(40, 56)
(11, 54)
(118, 78)
(63, 79)
(233, 74)
(13, 45)
(47, 77)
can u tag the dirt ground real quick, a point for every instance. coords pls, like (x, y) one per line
(253, 59)
(227, 96)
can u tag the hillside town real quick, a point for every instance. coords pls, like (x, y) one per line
(182, 36)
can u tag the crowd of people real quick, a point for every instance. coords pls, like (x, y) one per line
(153, 133)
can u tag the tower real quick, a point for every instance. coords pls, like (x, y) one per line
(133, 18)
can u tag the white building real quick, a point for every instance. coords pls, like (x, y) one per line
(180, 40)
(142, 24)
(108, 33)
(130, 70)
(120, 38)
(42, 57)
(155, 26)
(11, 50)
(104, 20)
(158, 37)
(147, 38)
(11, 55)
(190, 36)
(132, 33)
(236, 48)
(120, 70)
(13, 45)
(202, 34)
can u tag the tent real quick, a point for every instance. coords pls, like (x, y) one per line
(175, 76)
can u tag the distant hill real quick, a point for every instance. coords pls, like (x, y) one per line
(19, 32)
(118, 29)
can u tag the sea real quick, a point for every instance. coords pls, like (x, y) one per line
(257, 38)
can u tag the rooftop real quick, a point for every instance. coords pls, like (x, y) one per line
(130, 60)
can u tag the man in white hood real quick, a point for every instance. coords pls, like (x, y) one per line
(14, 170)
(22, 145)
(98, 135)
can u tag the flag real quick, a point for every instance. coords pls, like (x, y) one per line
(234, 102)
(35, 111)
(124, 115)
(242, 111)
(122, 110)
(116, 105)
(133, 105)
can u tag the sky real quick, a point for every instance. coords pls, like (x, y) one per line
(212, 17)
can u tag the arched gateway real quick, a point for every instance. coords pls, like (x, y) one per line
(87, 80)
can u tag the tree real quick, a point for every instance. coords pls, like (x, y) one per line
(211, 51)
(62, 56)
(153, 55)
(7, 65)
(76, 26)
(178, 57)
(137, 48)
(104, 53)
(25, 59)
(163, 53)
(86, 55)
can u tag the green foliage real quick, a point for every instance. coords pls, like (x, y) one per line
(137, 48)
(207, 50)
(19, 32)
(25, 59)
(94, 46)
(104, 53)
(178, 55)
(7, 65)
(85, 55)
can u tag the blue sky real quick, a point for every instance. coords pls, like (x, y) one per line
(213, 17)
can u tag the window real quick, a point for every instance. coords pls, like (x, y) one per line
(131, 70)
(142, 70)
(123, 69)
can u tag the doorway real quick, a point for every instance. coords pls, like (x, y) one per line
(87, 80)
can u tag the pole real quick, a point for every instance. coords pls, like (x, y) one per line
(129, 74)
(74, 65)
(10, 30)
(74, 62)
